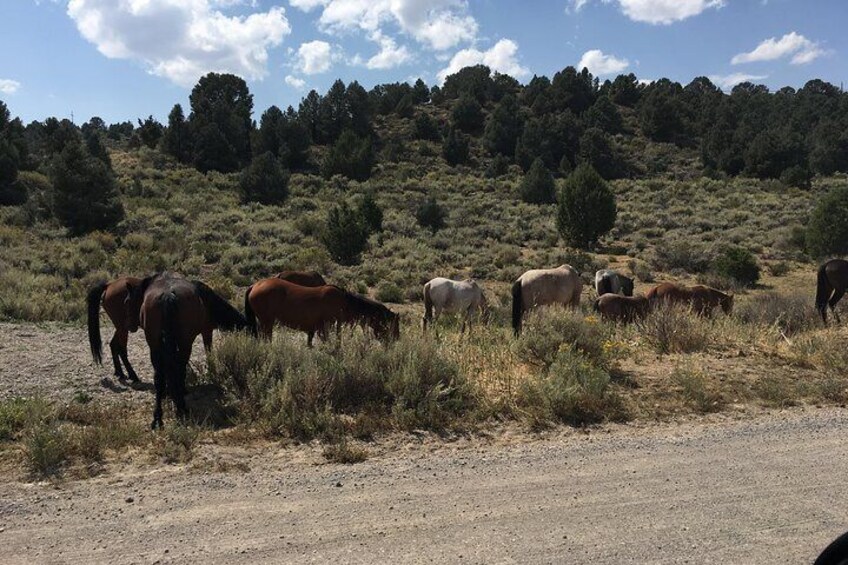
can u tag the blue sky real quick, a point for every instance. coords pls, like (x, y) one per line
(123, 59)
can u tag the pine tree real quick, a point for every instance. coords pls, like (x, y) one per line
(504, 127)
(264, 180)
(537, 186)
(587, 207)
(455, 147)
(345, 235)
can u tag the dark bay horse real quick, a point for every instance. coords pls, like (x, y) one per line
(303, 278)
(702, 299)
(625, 309)
(313, 309)
(831, 286)
(112, 296)
(173, 311)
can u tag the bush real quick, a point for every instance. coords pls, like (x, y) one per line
(371, 213)
(345, 235)
(669, 256)
(455, 147)
(790, 314)
(264, 181)
(587, 207)
(537, 186)
(431, 215)
(673, 329)
(46, 450)
(389, 292)
(695, 389)
(426, 128)
(467, 115)
(350, 156)
(739, 264)
(827, 231)
(796, 176)
(548, 331)
(574, 391)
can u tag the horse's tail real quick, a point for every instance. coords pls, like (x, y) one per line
(95, 295)
(823, 291)
(428, 305)
(249, 315)
(517, 306)
(223, 315)
(169, 339)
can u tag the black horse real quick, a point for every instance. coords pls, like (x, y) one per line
(831, 286)
(173, 311)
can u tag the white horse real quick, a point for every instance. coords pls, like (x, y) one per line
(539, 287)
(445, 295)
(609, 281)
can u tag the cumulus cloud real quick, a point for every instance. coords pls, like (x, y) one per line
(9, 86)
(390, 56)
(657, 11)
(314, 57)
(438, 24)
(727, 82)
(801, 49)
(502, 57)
(307, 5)
(601, 64)
(181, 40)
(294, 82)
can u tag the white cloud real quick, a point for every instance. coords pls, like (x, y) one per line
(502, 57)
(390, 54)
(600, 64)
(439, 24)
(799, 47)
(657, 11)
(9, 86)
(307, 5)
(294, 82)
(181, 40)
(727, 82)
(315, 57)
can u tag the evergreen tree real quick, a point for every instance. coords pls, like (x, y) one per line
(467, 115)
(426, 128)
(221, 108)
(345, 235)
(455, 148)
(371, 213)
(85, 191)
(212, 151)
(537, 186)
(264, 180)
(587, 208)
(431, 215)
(827, 230)
(596, 150)
(604, 115)
(350, 156)
(150, 132)
(176, 140)
(504, 127)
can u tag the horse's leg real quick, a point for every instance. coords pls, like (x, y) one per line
(178, 384)
(266, 330)
(123, 337)
(159, 386)
(207, 339)
(115, 348)
(310, 335)
(837, 296)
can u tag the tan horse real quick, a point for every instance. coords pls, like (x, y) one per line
(625, 309)
(540, 287)
(702, 299)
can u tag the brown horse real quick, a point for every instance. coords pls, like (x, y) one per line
(173, 311)
(112, 296)
(303, 278)
(831, 286)
(313, 309)
(625, 309)
(702, 299)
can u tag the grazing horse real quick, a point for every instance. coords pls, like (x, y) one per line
(445, 295)
(539, 287)
(313, 309)
(111, 295)
(830, 287)
(173, 311)
(625, 309)
(702, 299)
(303, 278)
(607, 280)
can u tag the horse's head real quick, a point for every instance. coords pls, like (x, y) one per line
(626, 285)
(386, 325)
(726, 302)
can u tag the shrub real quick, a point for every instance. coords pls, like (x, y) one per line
(796, 176)
(672, 329)
(696, 390)
(689, 257)
(537, 186)
(389, 292)
(455, 147)
(345, 235)
(790, 314)
(738, 264)
(548, 331)
(498, 167)
(264, 180)
(426, 128)
(431, 215)
(827, 231)
(640, 270)
(350, 156)
(574, 391)
(371, 213)
(467, 115)
(587, 207)
(46, 450)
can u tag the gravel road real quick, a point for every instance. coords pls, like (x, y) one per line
(767, 490)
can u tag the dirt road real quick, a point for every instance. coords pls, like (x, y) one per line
(770, 490)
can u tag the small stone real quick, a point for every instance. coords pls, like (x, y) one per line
(129, 500)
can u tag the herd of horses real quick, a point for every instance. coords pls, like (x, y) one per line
(173, 310)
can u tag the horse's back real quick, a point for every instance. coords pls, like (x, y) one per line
(300, 307)
(303, 278)
(546, 286)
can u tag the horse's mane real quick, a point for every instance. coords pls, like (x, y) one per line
(225, 316)
(366, 303)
